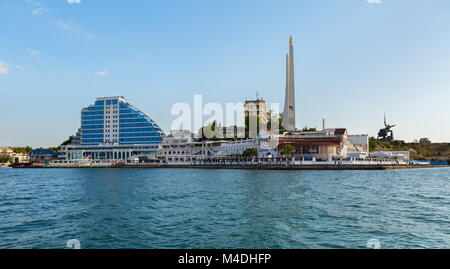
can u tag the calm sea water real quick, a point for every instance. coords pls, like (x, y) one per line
(170, 208)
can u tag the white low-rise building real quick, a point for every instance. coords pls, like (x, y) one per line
(403, 156)
(357, 155)
(361, 142)
(328, 145)
(180, 147)
(15, 157)
(236, 148)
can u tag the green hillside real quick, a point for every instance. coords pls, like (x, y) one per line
(428, 152)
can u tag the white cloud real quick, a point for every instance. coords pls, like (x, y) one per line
(70, 26)
(34, 3)
(374, 1)
(38, 7)
(4, 68)
(61, 24)
(65, 26)
(33, 52)
(37, 11)
(102, 73)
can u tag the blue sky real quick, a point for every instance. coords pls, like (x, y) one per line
(354, 60)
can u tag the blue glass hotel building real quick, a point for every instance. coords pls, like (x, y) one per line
(113, 130)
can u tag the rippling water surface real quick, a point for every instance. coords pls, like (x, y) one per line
(188, 208)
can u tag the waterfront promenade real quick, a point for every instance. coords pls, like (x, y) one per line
(255, 164)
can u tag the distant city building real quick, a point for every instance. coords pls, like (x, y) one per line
(237, 148)
(288, 121)
(15, 157)
(256, 108)
(360, 142)
(264, 144)
(330, 144)
(113, 130)
(320, 145)
(230, 132)
(401, 156)
(114, 120)
(180, 147)
(6, 152)
(77, 138)
(43, 155)
(233, 132)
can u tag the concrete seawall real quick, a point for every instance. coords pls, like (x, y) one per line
(283, 167)
(249, 167)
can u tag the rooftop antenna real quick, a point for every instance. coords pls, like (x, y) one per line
(257, 96)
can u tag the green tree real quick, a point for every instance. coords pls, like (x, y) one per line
(68, 141)
(5, 159)
(287, 149)
(272, 117)
(373, 143)
(24, 150)
(306, 129)
(280, 122)
(249, 153)
(211, 132)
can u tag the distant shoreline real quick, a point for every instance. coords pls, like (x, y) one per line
(246, 167)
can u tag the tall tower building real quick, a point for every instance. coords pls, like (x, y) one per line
(256, 108)
(288, 121)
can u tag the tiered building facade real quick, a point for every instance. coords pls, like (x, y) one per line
(113, 130)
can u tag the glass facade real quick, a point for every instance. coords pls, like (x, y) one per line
(113, 131)
(113, 120)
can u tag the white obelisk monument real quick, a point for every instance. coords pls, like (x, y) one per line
(288, 121)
